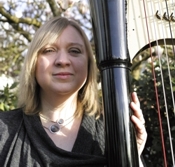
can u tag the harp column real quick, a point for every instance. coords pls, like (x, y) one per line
(109, 26)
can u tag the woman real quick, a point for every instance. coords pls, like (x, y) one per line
(59, 122)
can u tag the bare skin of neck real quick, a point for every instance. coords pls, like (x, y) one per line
(66, 136)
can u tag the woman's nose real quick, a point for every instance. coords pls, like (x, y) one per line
(62, 59)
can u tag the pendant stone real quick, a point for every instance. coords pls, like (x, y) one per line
(60, 121)
(54, 128)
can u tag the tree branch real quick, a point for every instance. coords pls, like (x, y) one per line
(14, 22)
(21, 31)
(17, 20)
(55, 10)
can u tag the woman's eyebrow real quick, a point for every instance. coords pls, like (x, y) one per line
(75, 43)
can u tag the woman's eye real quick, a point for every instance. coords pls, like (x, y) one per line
(75, 51)
(49, 50)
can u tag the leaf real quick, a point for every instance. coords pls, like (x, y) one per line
(14, 85)
(1, 106)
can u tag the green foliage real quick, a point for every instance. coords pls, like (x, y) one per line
(11, 59)
(8, 98)
(144, 86)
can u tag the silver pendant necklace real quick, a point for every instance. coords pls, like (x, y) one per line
(58, 125)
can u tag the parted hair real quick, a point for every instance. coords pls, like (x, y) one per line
(29, 89)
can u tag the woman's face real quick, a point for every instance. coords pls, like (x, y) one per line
(62, 67)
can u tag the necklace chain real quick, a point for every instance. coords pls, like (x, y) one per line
(57, 126)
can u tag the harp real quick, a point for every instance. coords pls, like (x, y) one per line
(122, 30)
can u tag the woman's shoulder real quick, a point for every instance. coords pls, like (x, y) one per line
(100, 132)
(92, 123)
(96, 127)
(9, 117)
(99, 124)
(100, 121)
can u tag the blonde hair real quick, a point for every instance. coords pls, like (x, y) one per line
(29, 90)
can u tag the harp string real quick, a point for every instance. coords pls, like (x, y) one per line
(155, 87)
(170, 83)
(163, 86)
(167, 58)
(162, 80)
(169, 22)
(173, 49)
(171, 88)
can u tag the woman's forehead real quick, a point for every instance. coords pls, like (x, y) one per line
(71, 35)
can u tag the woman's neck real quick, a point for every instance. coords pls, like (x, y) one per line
(63, 134)
(55, 109)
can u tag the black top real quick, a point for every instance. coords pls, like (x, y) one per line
(24, 143)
